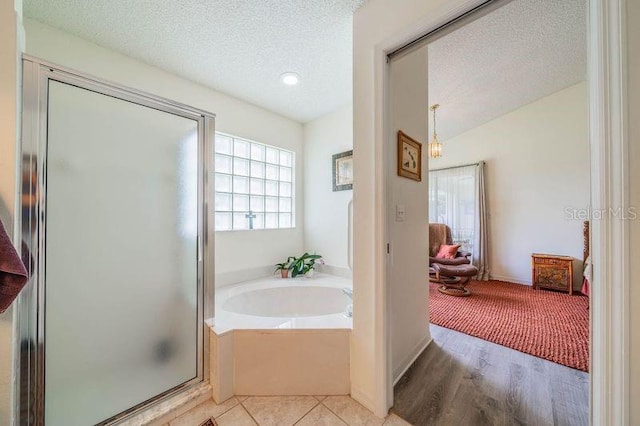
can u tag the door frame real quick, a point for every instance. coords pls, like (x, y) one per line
(608, 140)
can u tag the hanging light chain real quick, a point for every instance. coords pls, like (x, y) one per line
(435, 147)
(434, 108)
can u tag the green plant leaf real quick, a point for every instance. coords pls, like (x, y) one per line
(300, 265)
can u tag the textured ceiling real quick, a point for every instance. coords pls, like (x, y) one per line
(239, 47)
(519, 53)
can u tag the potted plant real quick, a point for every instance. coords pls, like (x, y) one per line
(304, 265)
(284, 267)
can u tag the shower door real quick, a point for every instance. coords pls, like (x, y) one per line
(119, 248)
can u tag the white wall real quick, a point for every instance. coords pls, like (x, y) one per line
(409, 239)
(239, 254)
(633, 96)
(11, 44)
(325, 212)
(537, 167)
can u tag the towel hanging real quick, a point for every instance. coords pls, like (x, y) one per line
(13, 274)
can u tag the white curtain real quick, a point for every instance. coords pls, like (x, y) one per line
(457, 199)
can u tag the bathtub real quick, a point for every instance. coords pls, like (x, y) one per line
(277, 303)
(276, 336)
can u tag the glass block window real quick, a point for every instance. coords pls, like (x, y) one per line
(254, 185)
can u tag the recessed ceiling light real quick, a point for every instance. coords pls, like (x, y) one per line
(290, 78)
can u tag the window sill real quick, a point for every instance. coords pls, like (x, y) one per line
(256, 230)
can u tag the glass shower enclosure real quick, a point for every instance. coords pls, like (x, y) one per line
(114, 221)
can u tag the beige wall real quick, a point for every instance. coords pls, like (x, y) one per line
(537, 173)
(409, 239)
(10, 48)
(239, 254)
(9, 24)
(633, 93)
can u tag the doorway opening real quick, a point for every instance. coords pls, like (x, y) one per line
(512, 191)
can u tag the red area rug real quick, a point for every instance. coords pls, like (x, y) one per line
(546, 324)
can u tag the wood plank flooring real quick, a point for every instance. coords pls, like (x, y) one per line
(462, 380)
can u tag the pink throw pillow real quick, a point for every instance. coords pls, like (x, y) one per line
(447, 252)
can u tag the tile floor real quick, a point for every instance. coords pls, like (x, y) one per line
(285, 410)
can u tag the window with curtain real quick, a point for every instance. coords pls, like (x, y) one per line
(453, 201)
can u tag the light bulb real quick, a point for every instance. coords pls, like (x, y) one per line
(290, 78)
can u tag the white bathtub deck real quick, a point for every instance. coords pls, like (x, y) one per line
(225, 320)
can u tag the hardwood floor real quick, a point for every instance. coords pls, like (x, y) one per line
(462, 380)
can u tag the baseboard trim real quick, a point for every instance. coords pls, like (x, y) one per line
(411, 358)
(362, 398)
(509, 279)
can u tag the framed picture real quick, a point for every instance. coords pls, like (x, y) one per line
(343, 171)
(409, 157)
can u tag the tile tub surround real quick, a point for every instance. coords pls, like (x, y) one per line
(280, 362)
(277, 336)
(292, 362)
(285, 410)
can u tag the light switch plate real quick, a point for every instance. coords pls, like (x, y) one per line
(399, 212)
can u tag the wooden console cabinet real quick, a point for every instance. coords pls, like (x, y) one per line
(552, 272)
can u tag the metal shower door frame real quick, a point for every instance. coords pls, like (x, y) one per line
(30, 356)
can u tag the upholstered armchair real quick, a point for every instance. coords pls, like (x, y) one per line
(440, 234)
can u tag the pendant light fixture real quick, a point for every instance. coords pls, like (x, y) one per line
(434, 147)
